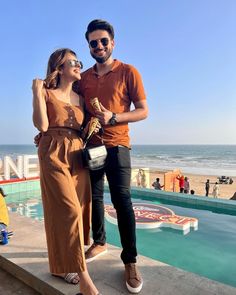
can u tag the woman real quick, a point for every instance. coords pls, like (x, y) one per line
(65, 184)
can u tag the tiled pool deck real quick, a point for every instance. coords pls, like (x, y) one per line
(25, 257)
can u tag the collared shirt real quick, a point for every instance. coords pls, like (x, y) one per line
(116, 90)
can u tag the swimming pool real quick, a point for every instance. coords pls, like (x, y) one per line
(208, 250)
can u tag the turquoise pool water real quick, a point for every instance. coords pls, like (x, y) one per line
(209, 251)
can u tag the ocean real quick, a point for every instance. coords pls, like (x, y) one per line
(196, 159)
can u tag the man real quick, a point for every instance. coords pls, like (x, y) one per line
(181, 183)
(207, 187)
(156, 184)
(116, 85)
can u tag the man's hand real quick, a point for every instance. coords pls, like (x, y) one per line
(104, 116)
(37, 139)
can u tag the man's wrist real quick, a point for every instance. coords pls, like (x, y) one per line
(113, 120)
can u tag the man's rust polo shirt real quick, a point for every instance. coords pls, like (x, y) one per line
(116, 90)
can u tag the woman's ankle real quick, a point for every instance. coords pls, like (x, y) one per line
(86, 284)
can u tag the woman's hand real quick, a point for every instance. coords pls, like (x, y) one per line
(38, 87)
(98, 127)
(93, 126)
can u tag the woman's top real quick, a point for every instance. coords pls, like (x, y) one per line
(61, 114)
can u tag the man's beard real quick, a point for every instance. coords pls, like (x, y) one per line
(102, 60)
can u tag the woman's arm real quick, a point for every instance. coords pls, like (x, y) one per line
(40, 118)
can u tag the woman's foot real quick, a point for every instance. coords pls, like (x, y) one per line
(70, 278)
(87, 286)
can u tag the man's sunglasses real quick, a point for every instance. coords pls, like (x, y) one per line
(94, 43)
(75, 63)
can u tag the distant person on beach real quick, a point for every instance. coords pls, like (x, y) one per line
(142, 181)
(156, 184)
(4, 217)
(216, 190)
(117, 86)
(181, 183)
(138, 178)
(207, 187)
(58, 112)
(141, 178)
(186, 185)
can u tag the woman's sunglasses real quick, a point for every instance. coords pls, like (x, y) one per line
(75, 63)
(94, 43)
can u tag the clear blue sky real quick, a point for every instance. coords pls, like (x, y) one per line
(185, 51)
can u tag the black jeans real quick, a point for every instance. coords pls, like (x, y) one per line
(118, 173)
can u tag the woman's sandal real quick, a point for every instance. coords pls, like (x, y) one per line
(82, 294)
(70, 278)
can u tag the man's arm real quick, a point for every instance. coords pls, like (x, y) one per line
(139, 113)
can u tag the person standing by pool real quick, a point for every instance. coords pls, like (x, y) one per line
(66, 192)
(116, 85)
(156, 184)
(4, 217)
(186, 185)
(215, 191)
(181, 183)
(142, 177)
(207, 187)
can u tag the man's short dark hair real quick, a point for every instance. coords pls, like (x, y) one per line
(99, 24)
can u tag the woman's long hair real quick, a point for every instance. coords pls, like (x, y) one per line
(55, 62)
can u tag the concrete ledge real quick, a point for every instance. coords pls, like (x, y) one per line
(25, 257)
(199, 201)
(30, 279)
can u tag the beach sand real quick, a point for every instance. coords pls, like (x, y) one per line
(197, 183)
